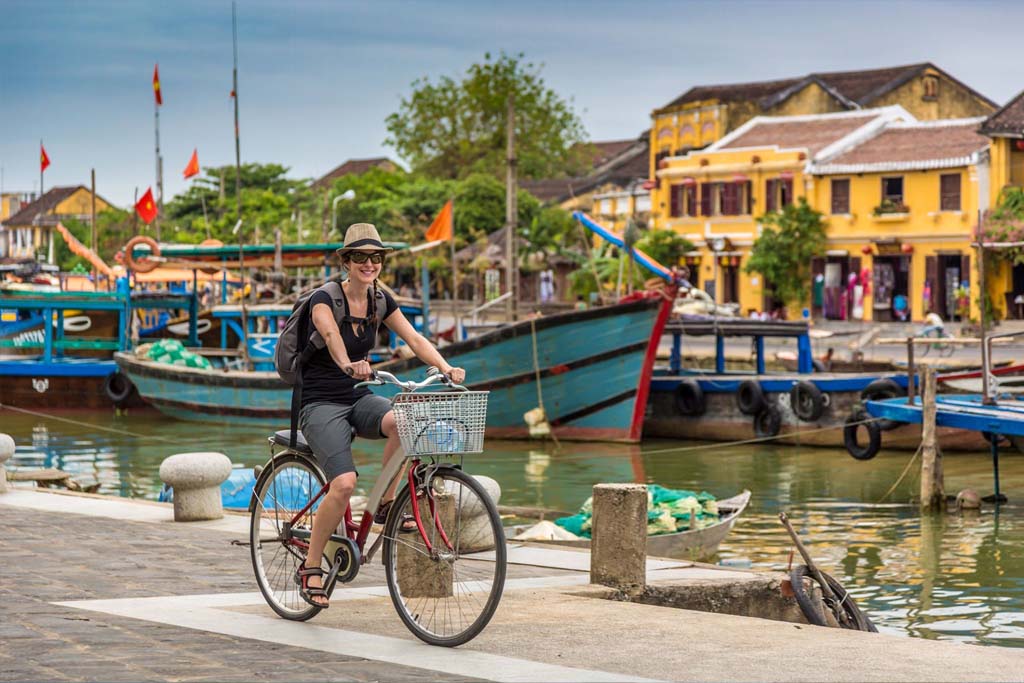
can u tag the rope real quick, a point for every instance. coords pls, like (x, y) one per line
(536, 371)
(902, 474)
(90, 425)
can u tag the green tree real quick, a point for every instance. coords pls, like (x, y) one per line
(452, 128)
(113, 230)
(782, 254)
(667, 247)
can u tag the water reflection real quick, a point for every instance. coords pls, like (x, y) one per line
(945, 577)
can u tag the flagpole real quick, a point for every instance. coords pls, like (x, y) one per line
(41, 169)
(455, 277)
(159, 179)
(238, 147)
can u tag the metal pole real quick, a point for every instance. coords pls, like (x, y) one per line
(238, 144)
(159, 181)
(511, 260)
(911, 371)
(986, 361)
(92, 201)
(40, 168)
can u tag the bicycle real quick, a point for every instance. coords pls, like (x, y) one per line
(944, 349)
(446, 578)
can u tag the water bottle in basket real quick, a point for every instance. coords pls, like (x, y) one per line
(443, 436)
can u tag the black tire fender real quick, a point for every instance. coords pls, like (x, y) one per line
(768, 422)
(858, 620)
(118, 388)
(750, 397)
(882, 389)
(857, 420)
(807, 400)
(689, 398)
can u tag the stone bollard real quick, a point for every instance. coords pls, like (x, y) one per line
(618, 545)
(474, 527)
(419, 575)
(6, 451)
(196, 480)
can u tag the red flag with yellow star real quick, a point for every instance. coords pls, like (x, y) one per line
(156, 85)
(146, 207)
(44, 161)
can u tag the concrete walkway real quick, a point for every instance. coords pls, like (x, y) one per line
(106, 589)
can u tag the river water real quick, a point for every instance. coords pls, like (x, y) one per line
(946, 577)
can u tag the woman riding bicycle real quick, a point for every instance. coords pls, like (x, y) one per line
(332, 407)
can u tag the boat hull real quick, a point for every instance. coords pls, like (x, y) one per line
(594, 368)
(698, 544)
(57, 386)
(723, 420)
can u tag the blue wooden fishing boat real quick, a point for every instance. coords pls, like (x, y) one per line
(62, 371)
(593, 367)
(806, 407)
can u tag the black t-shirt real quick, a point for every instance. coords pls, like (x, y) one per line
(322, 379)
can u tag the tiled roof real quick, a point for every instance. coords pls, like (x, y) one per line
(812, 133)
(912, 146)
(619, 161)
(852, 88)
(1008, 120)
(43, 207)
(355, 167)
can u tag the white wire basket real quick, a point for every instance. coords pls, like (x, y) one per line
(435, 423)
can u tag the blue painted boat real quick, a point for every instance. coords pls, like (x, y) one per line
(690, 403)
(594, 368)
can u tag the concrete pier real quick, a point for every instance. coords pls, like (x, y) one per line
(99, 588)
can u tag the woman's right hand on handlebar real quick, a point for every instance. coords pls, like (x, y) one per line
(360, 370)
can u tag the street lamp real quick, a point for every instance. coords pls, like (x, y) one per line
(348, 195)
(717, 246)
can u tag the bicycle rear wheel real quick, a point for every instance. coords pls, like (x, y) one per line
(281, 491)
(446, 595)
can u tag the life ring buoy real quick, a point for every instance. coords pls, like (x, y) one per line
(118, 388)
(882, 389)
(807, 401)
(750, 397)
(857, 420)
(689, 398)
(768, 422)
(144, 265)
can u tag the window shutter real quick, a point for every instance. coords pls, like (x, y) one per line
(949, 188)
(787, 192)
(770, 194)
(691, 199)
(840, 196)
(729, 199)
(675, 197)
(705, 198)
(748, 194)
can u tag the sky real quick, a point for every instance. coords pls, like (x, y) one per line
(317, 78)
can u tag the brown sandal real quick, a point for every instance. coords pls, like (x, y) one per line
(302, 574)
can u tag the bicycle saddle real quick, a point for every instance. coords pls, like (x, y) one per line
(283, 436)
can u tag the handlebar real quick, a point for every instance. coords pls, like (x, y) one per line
(434, 376)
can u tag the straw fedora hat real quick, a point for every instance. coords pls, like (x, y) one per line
(362, 237)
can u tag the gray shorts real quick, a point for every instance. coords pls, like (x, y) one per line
(328, 428)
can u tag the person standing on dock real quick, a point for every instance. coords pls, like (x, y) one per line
(332, 407)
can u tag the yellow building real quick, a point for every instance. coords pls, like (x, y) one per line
(704, 114)
(1006, 128)
(29, 232)
(898, 196)
(901, 207)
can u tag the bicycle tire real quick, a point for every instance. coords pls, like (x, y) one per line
(422, 586)
(858, 620)
(285, 487)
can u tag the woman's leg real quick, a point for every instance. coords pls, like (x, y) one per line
(327, 518)
(390, 431)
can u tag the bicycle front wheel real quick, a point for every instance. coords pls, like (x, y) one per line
(277, 538)
(447, 593)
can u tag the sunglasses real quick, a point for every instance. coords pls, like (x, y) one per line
(363, 257)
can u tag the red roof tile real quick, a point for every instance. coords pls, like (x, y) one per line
(1009, 120)
(355, 167)
(905, 143)
(810, 134)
